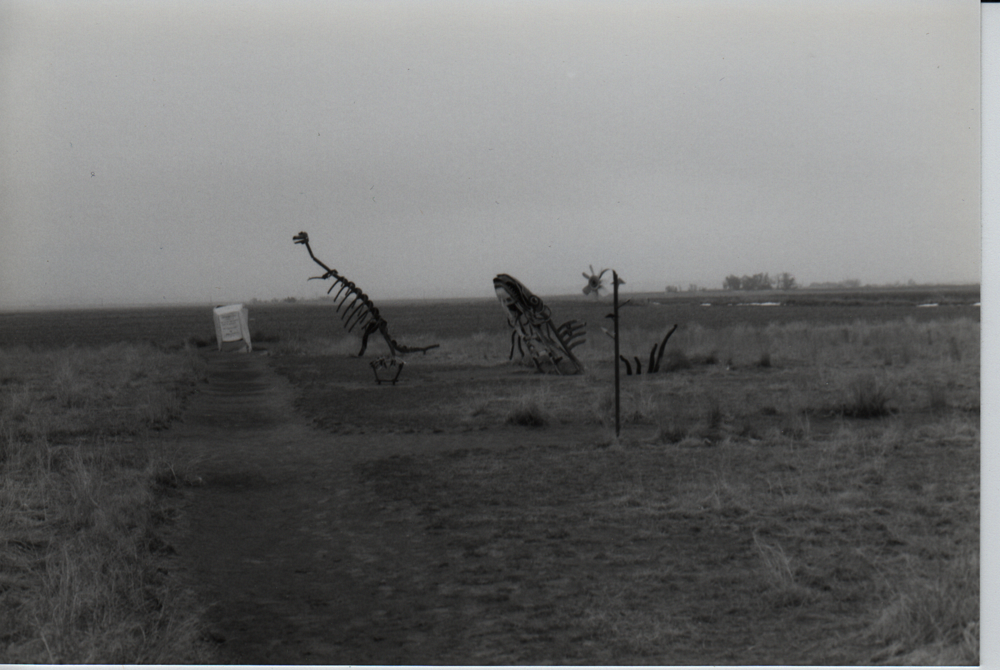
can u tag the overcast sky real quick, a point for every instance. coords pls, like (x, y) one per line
(162, 152)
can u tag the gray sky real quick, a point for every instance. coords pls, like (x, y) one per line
(168, 151)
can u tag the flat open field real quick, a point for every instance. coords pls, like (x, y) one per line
(801, 487)
(462, 318)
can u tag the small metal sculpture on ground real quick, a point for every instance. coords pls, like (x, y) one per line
(654, 357)
(362, 311)
(532, 325)
(387, 363)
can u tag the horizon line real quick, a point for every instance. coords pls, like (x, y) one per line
(292, 300)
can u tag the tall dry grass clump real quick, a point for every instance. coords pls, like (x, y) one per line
(112, 390)
(932, 617)
(530, 408)
(80, 503)
(897, 344)
(868, 397)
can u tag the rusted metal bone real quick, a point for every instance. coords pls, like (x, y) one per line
(351, 310)
(358, 318)
(628, 366)
(655, 357)
(347, 296)
(356, 300)
(342, 285)
(363, 307)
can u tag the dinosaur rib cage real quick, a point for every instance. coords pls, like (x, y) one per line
(358, 308)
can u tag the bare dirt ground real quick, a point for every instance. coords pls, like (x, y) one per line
(298, 561)
(389, 529)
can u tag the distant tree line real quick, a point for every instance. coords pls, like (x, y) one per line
(692, 288)
(759, 282)
(258, 301)
(846, 283)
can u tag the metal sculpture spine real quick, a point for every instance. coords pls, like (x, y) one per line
(531, 323)
(360, 311)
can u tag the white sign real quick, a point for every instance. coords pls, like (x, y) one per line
(232, 324)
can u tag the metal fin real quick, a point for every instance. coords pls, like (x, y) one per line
(628, 367)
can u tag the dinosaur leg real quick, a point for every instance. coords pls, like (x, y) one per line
(369, 329)
(383, 328)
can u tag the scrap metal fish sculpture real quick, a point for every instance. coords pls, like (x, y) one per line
(532, 326)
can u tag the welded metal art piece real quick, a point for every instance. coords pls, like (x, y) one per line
(595, 282)
(359, 310)
(654, 357)
(550, 348)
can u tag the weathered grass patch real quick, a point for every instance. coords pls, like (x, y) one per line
(791, 513)
(112, 390)
(851, 542)
(868, 397)
(80, 504)
(932, 614)
(528, 410)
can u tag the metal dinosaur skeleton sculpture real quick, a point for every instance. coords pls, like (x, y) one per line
(532, 326)
(362, 311)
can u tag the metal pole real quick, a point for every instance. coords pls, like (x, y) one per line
(618, 394)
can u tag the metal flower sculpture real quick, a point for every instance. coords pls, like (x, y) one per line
(595, 282)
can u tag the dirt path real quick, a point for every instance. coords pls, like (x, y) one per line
(398, 535)
(298, 562)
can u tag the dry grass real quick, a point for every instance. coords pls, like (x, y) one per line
(852, 546)
(530, 409)
(80, 504)
(112, 390)
(805, 372)
(887, 344)
(745, 510)
(868, 397)
(932, 613)
(338, 344)
(852, 513)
